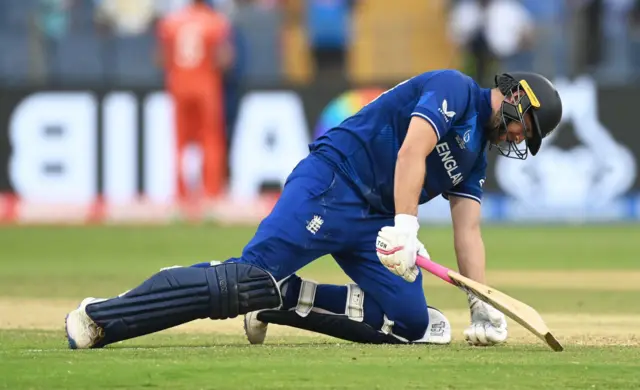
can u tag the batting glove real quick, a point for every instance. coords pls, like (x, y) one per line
(488, 325)
(398, 245)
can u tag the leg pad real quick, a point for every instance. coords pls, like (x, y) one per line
(179, 295)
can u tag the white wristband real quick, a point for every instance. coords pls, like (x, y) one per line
(407, 222)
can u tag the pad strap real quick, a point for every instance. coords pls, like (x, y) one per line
(354, 306)
(306, 297)
(355, 303)
(387, 328)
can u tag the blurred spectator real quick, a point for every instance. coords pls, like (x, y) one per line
(53, 22)
(328, 24)
(616, 54)
(634, 36)
(498, 34)
(195, 51)
(53, 18)
(125, 17)
(233, 78)
(552, 31)
(258, 24)
(590, 36)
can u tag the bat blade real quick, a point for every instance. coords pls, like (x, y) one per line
(518, 311)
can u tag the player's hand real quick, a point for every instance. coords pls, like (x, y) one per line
(397, 246)
(488, 325)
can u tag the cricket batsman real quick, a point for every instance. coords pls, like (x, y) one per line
(355, 197)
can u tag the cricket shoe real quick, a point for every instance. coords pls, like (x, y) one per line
(254, 329)
(82, 332)
(439, 329)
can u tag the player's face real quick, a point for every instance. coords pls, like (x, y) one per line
(517, 132)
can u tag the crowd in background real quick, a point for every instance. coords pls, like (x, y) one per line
(111, 41)
(108, 45)
(556, 38)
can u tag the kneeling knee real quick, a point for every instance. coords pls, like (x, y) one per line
(410, 325)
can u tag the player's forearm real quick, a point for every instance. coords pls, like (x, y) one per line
(409, 178)
(470, 254)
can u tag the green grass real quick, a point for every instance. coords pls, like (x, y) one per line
(67, 262)
(39, 361)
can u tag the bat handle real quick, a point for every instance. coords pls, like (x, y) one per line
(438, 270)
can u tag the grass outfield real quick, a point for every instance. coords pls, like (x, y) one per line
(584, 281)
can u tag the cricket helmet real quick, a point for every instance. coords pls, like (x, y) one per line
(540, 98)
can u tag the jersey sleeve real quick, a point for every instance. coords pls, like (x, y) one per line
(444, 98)
(471, 186)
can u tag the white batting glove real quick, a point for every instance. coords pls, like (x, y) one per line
(488, 325)
(398, 245)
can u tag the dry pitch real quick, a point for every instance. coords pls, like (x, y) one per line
(581, 329)
(572, 328)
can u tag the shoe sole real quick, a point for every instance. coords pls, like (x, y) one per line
(245, 325)
(70, 341)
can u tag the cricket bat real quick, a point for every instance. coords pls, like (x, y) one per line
(518, 311)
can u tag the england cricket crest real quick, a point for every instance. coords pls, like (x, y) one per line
(315, 224)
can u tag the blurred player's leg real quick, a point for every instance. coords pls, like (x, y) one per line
(185, 125)
(213, 141)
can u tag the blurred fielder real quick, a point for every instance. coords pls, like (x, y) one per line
(356, 197)
(195, 50)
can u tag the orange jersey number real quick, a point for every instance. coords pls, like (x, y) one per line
(189, 47)
(190, 39)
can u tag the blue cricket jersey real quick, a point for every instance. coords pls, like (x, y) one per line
(364, 147)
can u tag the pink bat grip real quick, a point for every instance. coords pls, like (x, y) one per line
(438, 270)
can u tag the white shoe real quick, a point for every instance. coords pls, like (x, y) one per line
(255, 330)
(439, 329)
(82, 332)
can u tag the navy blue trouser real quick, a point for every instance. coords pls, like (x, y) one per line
(319, 214)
